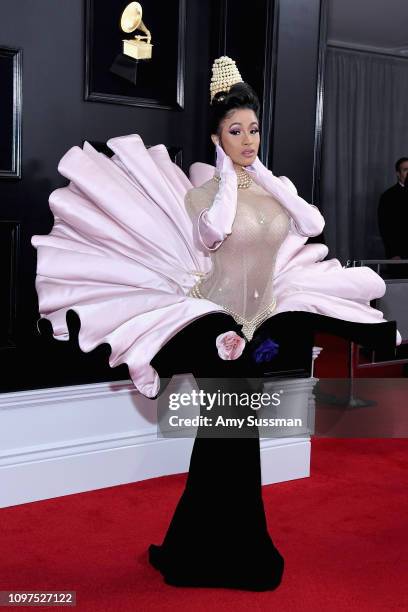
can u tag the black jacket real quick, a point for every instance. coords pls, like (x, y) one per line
(393, 221)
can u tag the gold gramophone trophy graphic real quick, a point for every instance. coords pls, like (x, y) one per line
(136, 49)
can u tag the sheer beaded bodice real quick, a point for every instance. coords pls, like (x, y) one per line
(241, 278)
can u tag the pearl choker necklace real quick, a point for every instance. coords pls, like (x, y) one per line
(244, 180)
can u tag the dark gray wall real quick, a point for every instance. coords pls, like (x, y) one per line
(56, 117)
(295, 93)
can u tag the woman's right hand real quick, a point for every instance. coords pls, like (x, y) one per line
(224, 163)
(215, 223)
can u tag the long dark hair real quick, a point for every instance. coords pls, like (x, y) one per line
(239, 96)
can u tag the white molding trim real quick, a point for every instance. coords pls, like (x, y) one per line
(66, 440)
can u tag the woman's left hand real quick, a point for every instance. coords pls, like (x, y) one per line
(264, 177)
(257, 169)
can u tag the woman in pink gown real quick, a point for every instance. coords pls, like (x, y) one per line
(210, 277)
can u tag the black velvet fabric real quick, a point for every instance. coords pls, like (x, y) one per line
(193, 349)
(218, 536)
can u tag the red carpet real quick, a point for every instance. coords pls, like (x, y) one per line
(343, 534)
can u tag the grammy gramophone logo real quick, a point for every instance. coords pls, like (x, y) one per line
(139, 47)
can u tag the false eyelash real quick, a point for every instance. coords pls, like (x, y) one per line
(236, 131)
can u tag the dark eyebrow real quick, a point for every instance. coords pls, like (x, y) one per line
(238, 123)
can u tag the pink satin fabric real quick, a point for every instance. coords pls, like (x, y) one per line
(121, 254)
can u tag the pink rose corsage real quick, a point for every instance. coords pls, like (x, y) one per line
(230, 345)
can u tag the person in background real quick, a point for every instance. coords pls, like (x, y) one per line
(393, 219)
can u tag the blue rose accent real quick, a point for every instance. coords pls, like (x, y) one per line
(266, 351)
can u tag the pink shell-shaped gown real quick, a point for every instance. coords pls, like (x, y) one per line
(121, 254)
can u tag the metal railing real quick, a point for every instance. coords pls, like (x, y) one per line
(353, 263)
(354, 357)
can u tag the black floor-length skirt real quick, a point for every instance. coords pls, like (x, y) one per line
(218, 536)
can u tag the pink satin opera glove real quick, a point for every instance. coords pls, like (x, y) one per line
(215, 223)
(306, 218)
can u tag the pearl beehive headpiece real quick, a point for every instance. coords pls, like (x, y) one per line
(225, 74)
